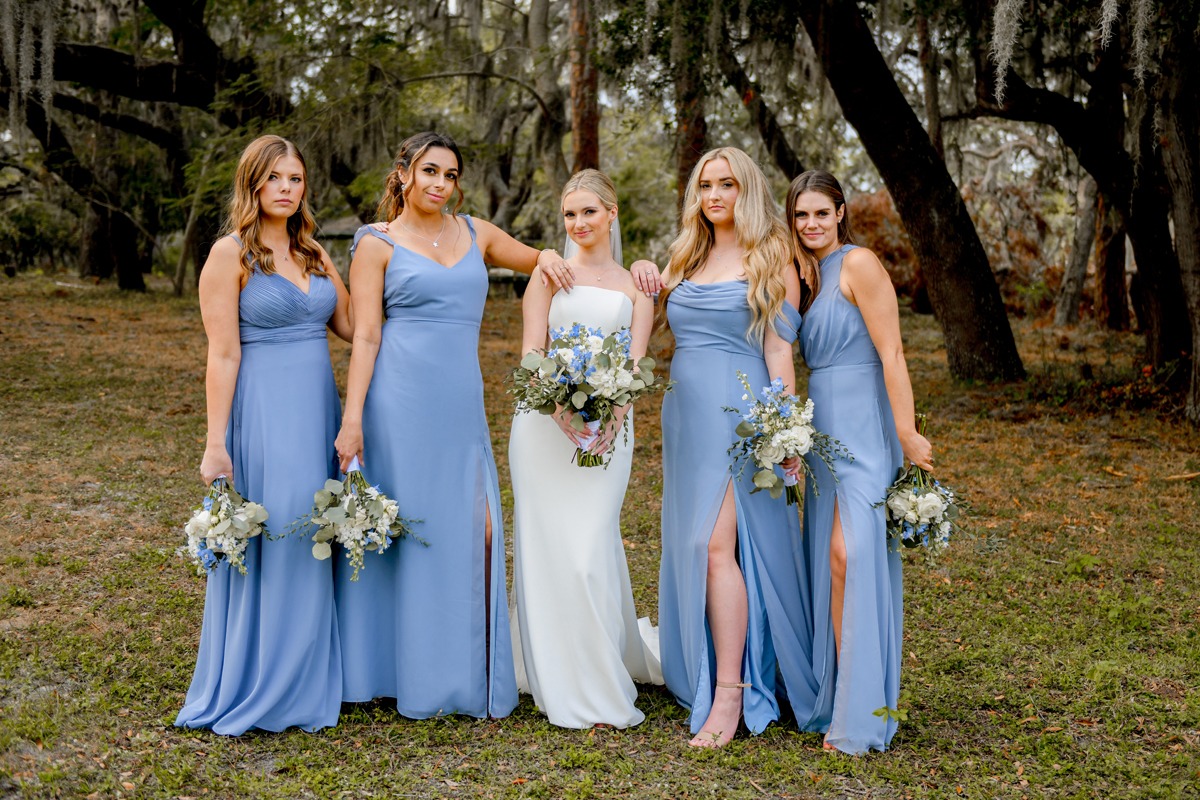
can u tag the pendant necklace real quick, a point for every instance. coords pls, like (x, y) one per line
(426, 238)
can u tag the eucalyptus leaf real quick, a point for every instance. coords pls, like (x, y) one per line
(646, 364)
(532, 360)
(579, 399)
(766, 479)
(336, 515)
(577, 423)
(239, 524)
(327, 534)
(221, 527)
(548, 366)
(322, 498)
(335, 488)
(744, 429)
(322, 551)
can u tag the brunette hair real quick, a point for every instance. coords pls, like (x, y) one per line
(760, 233)
(245, 209)
(411, 149)
(822, 182)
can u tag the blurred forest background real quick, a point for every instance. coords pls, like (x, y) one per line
(1004, 157)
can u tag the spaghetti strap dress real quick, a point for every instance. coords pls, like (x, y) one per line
(269, 653)
(710, 323)
(418, 624)
(851, 404)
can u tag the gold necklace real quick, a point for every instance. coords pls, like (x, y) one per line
(426, 238)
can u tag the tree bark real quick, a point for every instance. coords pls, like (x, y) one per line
(1179, 85)
(688, 32)
(1111, 297)
(1066, 308)
(552, 124)
(585, 90)
(1132, 180)
(929, 58)
(962, 288)
(761, 115)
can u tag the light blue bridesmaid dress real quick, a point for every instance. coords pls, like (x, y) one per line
(710, 323)
(851, 404)
(269, 653)
(418, 625)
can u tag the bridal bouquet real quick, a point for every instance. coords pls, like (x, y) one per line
(587, 372)
(357, 516)
(921, 512)
(220, 528)
(775, 428)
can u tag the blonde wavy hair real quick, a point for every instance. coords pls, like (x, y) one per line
(245, 216)
(594, 181)
(760, 233)
(395, 191)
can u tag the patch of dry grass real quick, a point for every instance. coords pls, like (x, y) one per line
(1055, 654)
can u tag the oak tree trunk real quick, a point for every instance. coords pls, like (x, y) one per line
(585, 90)
(1066, 307)
(962, 288)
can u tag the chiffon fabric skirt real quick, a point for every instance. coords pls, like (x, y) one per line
(269, 650)
(710, 323)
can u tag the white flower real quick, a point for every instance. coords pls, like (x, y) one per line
(899, 504)
(930, 506)
(769, 454)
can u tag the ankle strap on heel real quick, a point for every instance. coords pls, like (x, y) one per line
(724, 685)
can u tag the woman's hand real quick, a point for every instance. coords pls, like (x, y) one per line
(556, 269)
(646, 277)
(918, 450)
(793, 466)
(349, 444)
(216, 462)
(562, 418)
(607, 436)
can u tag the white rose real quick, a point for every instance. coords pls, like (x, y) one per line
(769, 455)
(199, 523)
(929, 506)
(899, 506)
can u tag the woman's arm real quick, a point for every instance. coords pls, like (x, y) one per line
(220, 289)
(865, 283)
(777, 351)
(502, 250)
(367, 272)
(342, 321)
(535, 313)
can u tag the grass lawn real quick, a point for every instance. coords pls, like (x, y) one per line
(1055, 654)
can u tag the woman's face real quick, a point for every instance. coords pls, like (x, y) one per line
(432, 179)
(586, 219)
(817, 222)
(718, 192)
(280, 196)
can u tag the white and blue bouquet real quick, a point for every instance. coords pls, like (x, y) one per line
(921, 511)
(776, 427)
(588, 374)
(357, 516)
(221, 527)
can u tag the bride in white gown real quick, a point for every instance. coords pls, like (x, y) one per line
(580, 646)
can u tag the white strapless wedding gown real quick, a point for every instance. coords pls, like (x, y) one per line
(579, 646)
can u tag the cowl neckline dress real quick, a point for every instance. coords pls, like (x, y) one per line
(710, 323)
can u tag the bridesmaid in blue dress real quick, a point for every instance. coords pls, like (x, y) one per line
(428, 625)
(732, 628)
(862, 396)
(269, 655)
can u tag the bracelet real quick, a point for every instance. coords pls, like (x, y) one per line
(547, 250)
